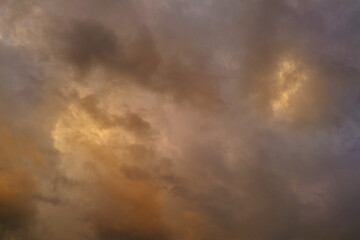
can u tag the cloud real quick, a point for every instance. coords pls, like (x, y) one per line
(129, 209)
(179, 120)
(18, 184)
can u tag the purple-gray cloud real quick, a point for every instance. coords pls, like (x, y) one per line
(175, 120)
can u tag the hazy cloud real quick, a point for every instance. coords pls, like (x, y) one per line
(179, 120)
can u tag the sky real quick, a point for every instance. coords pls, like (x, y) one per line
(179, 120)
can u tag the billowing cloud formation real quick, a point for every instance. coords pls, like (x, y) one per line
(172, 120)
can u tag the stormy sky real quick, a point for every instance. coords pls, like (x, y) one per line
(179, 119)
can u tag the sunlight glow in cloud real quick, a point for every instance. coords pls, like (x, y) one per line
(288, 82)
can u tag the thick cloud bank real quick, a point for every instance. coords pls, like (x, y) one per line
(179, 120)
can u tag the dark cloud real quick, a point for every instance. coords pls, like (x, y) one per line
(91, 44)
(137, 59)
(131, 234)
(18, 184)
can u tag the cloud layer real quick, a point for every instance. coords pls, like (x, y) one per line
(179, 120)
